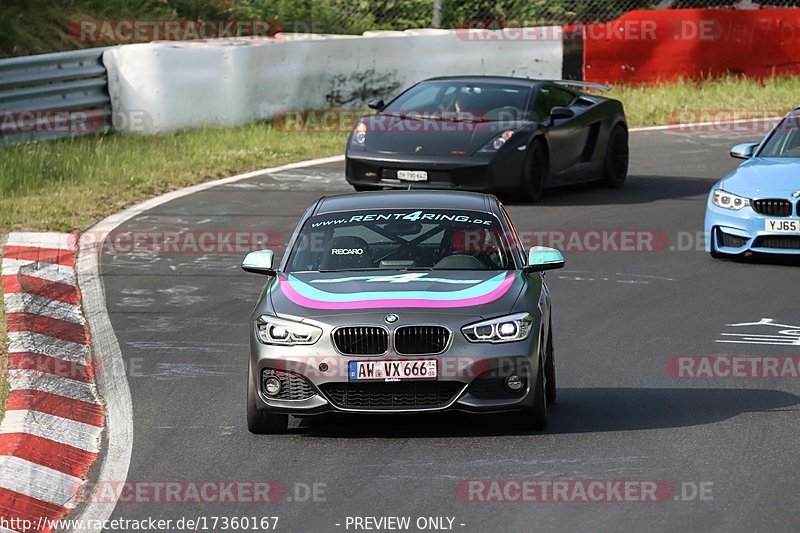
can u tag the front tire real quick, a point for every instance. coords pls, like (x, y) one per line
(534, 418)
(261, 421)
(536, 171)
(550, 369)
(615, 168)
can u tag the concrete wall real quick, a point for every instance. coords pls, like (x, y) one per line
(172, 86)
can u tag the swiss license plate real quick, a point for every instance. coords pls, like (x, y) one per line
(392, 370)
(782, 226)
(412, 175)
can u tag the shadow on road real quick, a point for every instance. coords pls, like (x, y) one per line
(577, 411)
(637, 190)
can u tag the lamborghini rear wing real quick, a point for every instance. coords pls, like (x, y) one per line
(583, 85)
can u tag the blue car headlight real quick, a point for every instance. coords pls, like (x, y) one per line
(503, 329)
(730, 201)
(273, 330)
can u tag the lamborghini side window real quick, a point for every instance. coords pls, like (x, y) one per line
(549, 97)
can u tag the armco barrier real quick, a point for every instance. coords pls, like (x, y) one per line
(653, 46)
(53, 95)
(181, 85)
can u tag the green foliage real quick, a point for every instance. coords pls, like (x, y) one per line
(39, 26)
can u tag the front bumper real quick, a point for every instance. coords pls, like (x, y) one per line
(471, 378)
(737, 232)
(502, 171)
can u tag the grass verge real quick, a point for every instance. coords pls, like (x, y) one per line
(69, 184)
(709, 100)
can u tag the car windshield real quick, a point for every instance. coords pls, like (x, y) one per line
(453, 100)
(785, 140)
(430, 239)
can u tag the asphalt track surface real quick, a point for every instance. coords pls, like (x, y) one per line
(620, 317)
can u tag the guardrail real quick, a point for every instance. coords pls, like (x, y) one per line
(54, 95)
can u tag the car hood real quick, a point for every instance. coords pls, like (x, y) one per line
(430, 137)
(758, 177)
(463, 293)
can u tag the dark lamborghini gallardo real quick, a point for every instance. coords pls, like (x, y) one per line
(497, 134)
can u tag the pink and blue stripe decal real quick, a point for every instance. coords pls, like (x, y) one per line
(305, 295)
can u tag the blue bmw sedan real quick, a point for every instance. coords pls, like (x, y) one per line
(757, 207)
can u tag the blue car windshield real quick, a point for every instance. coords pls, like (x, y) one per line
(458, 99)
(785, 140)
(430, 239)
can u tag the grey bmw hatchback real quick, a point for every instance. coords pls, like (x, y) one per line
(401, 302)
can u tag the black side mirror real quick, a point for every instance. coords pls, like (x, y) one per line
(559, 112)
(376, 104)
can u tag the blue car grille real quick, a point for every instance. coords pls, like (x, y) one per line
(776, 242)
(773, 207)
(730, 241)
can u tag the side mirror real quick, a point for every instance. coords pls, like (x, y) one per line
(559, 112)
(542, 258)
(259, 262)
(744, 151)
(376, 104)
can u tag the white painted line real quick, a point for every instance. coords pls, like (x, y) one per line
(47, 271)
(26, 341)
(22, 302)
(112, 381)
(62, 241)
(68, 388)
(38, 481)
(76, 434)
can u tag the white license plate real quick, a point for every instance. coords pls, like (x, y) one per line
(782, 226)
(412, 175)
(392, 370)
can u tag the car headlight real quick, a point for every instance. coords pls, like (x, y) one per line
(360, 133)
(497, 143)
(273, 330)
(503, 329)
(727, 200)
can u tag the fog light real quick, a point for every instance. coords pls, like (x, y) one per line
(272, 386)
(514, 382)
